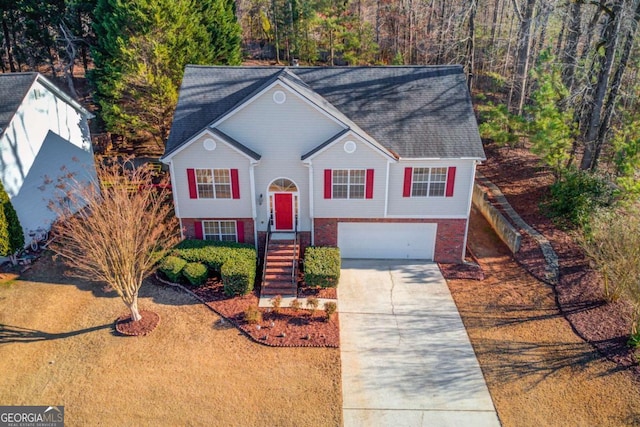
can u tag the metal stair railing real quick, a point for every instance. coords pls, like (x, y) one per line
(266, 248)
(294, 268)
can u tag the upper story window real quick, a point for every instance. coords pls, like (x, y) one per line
(348, 183)
(213, 183)
(429, 182)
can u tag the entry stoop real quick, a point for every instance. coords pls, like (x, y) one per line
(279, 278)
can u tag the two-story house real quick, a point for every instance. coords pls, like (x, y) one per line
(379, 161)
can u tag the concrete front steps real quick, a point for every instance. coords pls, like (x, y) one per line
(279, 269)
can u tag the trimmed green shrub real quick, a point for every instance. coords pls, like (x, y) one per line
(322, 266)
(172, 267)
(238, 275)
(212, 253)
(196, 273)
(234, 262)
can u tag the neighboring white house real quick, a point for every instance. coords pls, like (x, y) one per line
(379, 161)
(44, 136)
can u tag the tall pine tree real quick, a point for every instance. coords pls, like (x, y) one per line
(141, 51)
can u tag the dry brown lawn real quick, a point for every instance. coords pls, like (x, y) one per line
(539, 372)
(57, 347)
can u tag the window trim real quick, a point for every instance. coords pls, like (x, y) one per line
(213, 183)
(449, 182)
(349, 184)
(368, 183)
(428, 171)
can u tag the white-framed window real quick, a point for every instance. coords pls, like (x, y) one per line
(213, 183)
(429, 182)
(222, 231)
(349, 183)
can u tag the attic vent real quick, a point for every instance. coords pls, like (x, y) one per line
(279, 97)
(350, 147)
(209, 144)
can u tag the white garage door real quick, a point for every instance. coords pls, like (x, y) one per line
(386, 240)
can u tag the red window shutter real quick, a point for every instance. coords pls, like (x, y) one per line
(328, 182)
(451, 179)
(235, 185)
(191, 178)
(240, 231)
(197, 226)
(369, 184)
(408, 176)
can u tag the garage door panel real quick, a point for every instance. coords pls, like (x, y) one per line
(387, 240)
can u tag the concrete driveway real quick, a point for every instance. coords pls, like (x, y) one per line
(406, 356)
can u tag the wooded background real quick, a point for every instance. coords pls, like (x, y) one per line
(135, 50)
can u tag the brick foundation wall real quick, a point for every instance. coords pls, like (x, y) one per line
(189, 232)
(449, 237)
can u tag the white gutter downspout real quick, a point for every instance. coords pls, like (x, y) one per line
(176, 208)
(252, 184)
(311, 213)
(386, 192)
(466, 229)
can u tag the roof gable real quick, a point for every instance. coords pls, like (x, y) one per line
(14, 87)
(413, 112)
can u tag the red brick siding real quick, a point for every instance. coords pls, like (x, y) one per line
(189, 232)
(449, 237)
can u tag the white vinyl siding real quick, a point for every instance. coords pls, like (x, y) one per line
(46, 139)
(222, 231)
(281, 134)
(223, 158)
(432, 205)
(335, 158)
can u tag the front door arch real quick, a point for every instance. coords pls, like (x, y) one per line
(283, 203)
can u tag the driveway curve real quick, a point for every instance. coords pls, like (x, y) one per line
(406, 357)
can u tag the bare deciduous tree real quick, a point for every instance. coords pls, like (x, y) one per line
(119, 235)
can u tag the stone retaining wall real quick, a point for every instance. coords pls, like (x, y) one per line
(503, 228)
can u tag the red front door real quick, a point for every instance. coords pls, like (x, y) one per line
(283, 203)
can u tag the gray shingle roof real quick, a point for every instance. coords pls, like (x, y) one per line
(13, 89)
(415, 112)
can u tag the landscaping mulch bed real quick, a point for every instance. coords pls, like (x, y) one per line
(125, 326)
(287, 328)
(579, 294)
(305, 291)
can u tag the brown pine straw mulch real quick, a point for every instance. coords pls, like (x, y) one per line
(605, 325)
(286, 328)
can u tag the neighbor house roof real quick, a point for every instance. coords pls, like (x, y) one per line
(414, 112)
(14, 88)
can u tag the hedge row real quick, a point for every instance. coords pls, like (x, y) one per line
(322, 266)
(194, 259)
